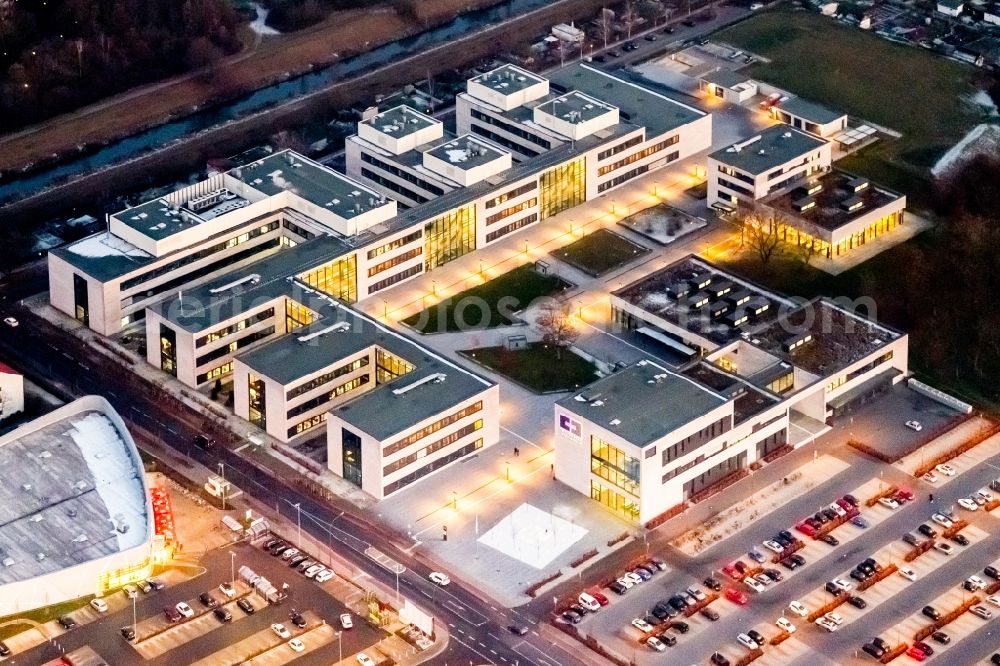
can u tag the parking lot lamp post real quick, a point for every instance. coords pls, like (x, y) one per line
(222, 473)
(135, 621)
(232, 568)
(298, 511)
(340, 650)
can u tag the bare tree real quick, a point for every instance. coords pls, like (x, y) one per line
(760, 232)
(555, 320)
(629, 17)
(606, 22)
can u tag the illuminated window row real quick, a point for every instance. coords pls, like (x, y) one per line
(316, 382)
(512, 210)
(432, 428)
(308, 424)
(215, 373)
(395, 261)
(393, 279)
(510, 194)
(234, 346)
(621, 147)
(339, 278)
(432, 448)
(430, 467)
(329, 396)
(396, 244)
(635, 157)
(220, 333)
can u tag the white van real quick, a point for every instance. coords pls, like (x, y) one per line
(589, 602)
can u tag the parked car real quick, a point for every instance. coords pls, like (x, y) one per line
(246, 606)
(709, 614)
(785, 624)
(99, 605)
(207, 600)
(924, 647)
(914, 425)
(756, 556)
(737, 596)
(942, 520)
(889, 503)
(642, 625)
(916, 654)
(144, 586)
(696, 593)
(907, 573)
(931, 612)
(945, 548)
(773, 546)
(719, 660)
(222, 614)
(656, 644)
(967, 504)
(992, 572)
(324, 575)
(930, 477)
(130, 591)
(857, 602)
(797, 608)
(911, 539)
(155, 583)
(754, 584)
(297, 619)
(945, 469)
(746, 641)
(712, 584)
(618, 587)
(128, 633)
(830, 540)
(927, 531)
(658, 563)
(184, 609)
(66, 622)
(960, 539)
(974, 584)
(439, 578)
(941, 637)
(171, 614)
(774, 574)
(680, 627)
(572, 617)
(873, 650)
(588, 602)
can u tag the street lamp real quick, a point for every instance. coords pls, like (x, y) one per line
(232, 568)
(222, 473)
(454, 500)
(298, 511)
(340, 651)
(434, 287)
(508, 471)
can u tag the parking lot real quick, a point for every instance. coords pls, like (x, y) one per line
(883, 604)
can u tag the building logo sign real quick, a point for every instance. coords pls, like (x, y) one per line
(570, 425)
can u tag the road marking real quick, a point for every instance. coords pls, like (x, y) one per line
(240, 448)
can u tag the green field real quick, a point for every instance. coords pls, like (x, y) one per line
(488, 305)
(903, 88)
(537, 368)
(600, 252)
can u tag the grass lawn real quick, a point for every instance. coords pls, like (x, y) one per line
(537, 367)
(40, 615)
(869, 77)
(600, 252)
(490, 304)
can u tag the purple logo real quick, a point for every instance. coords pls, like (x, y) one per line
(570, 425)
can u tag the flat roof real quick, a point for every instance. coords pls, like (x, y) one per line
(671, 294)
(726, 78)
(576, 107)
(231, 294)
(643, 403)
(508, 79)
(841, 198)
(638, 104)
(73, 491)
(400, 121)
(314, 182)
(749, 399)
(775, 146)
(810, 111)
(104, 256)
(835, 337)
(466, 152)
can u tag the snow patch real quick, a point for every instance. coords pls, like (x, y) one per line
(456, 155)
(106, 245)
(985, 103)
(533, 536)
(982, 139)
(115, 476)
(259, 25)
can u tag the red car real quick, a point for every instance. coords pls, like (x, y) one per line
(731, 571)
(601, 599)
(906, 494)
(808, 530)
(916, 653)
(845, 505)
(737, 596)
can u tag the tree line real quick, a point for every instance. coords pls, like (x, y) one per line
(58, 55)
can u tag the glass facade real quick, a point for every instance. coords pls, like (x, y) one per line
(81, 300)
(449, 237)
(257, 399)
(339, 278)
(881, 226)
(168, 350)
(614, 465)
(563, 187)
(351, 448)
(388, 366)
(627, 507)
(297, 315)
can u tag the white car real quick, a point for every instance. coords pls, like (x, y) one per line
(836, 618)
(967, 504)
(827, 624)
(11, 321)
(345, 621)
(313, 570)
(774, 546)
(914, 425)
(994, 599)
(634, 577)
(99, 605)
(747, 642)
(365, 660)
(976, 583)
(296, 645)
(944, 547)
(754, 584)
(184, 609)
(439, 578)
(588, 602)
(947, 470)
(625, 582)
(842, 584)
(837, 509)
(908, 573)
(289, 554)
(986, 496)
(755, 6)
(324, 576)
(280, 630)
(696, 593)
(130, 591)
(889, 503)
(798, 608)
(228, 589)
(930, 477)
(942, 520)
(641, 625)
(977, 499)
(784, 623)
(656, 644)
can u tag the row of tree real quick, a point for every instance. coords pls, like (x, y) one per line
(58, 55)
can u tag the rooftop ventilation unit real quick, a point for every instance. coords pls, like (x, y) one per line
(597, 403)
(253, 278)
(794, 342)
(339, 327)
(436, 378)
(615, 422)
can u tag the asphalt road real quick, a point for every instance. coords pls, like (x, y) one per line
(63, 365)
